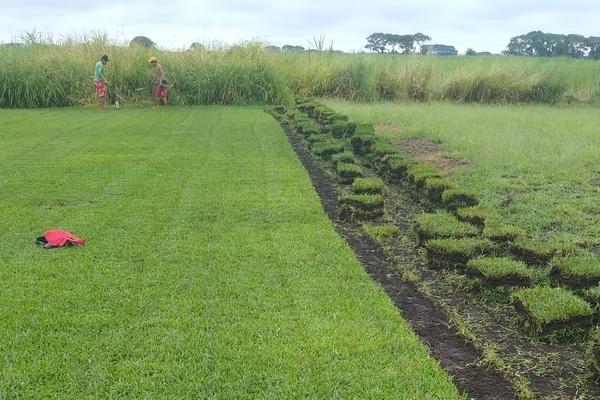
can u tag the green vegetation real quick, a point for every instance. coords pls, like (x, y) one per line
(361, 206)
(528, 190)
(580, 265)
(368, 186)
(576, 271)
(544, 159)
(441, 225)
(251, 74)
(545, 306)
(345, 157)
(456, 252)
(199, 278)
(501, 270)
(347, 173)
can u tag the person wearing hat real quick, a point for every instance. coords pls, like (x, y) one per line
(161, 82)
(99, 81)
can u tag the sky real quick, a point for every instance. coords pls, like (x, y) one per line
(482, 25)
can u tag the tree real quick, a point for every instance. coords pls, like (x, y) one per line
(290, 48)
(197, 47)
(540, 44)
(440, 50)
(142, 41)
(407, 43)
(531, 44)
(576, 46)
(593, 47)
(275, 49)
(377, 42)
(420, 39)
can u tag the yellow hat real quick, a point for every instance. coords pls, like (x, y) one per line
(152, 59)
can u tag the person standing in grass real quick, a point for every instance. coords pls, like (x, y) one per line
(99, 81)
(161, 82)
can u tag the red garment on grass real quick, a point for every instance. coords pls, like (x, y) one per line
(60, 237)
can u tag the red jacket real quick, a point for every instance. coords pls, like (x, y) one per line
(60, 238)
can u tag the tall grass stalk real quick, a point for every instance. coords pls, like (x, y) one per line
(42, 73)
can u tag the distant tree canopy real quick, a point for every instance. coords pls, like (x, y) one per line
(197, 47)
(290, 48)
(275, 49)
(142, 41)
(540, 44)
(392, 43)
(471, 52)
(439, 50)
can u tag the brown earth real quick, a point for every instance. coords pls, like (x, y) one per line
(550, 371)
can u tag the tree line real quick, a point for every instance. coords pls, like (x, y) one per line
(407, 44)
(540, 44)
(532, 44)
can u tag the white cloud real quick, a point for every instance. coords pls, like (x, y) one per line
(483, 26)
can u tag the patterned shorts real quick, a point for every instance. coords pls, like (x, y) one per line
(161, 90)
(100, 88)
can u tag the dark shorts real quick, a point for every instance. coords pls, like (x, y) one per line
(161, 90)
(100, 88)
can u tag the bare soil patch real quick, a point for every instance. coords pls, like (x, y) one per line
(432, 153)
(552, 371)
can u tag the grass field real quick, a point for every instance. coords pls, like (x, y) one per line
(210, 269)
(545, 159)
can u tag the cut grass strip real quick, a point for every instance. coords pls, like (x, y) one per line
(210, 269)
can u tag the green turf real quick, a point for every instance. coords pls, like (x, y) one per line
(545, 159)
(210, 269)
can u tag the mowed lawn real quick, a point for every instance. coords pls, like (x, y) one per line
(210, 269)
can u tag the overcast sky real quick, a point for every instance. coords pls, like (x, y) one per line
(483, 25)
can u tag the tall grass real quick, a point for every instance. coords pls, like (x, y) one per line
(59, 75)
(44, 74)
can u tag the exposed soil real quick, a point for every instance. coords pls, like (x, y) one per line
(551, 371)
